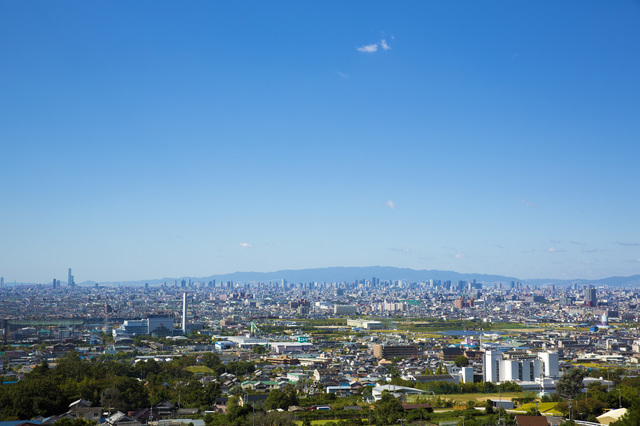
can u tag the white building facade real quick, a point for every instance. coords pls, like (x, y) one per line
(497, 369)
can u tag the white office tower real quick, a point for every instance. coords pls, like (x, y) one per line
(184, 313)
(499, 370)
(467, 374)
(492, 366)
(550, 363)
(520, 370)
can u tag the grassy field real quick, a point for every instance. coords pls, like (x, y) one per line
(199, 369)
(321, 422)
(479, 398)
(543, 407)
(588, 364)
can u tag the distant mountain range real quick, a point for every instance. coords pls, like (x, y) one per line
(384, 273)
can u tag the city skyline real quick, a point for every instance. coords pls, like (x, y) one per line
(143, 142)
(344, 275)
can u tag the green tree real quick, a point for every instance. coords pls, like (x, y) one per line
(271, 419)
(71, 366)
(461, 361)
(210, 393)
(570, 384)
(631, 418)
(292, 395)
(388, 409)
(125, 393)
(240, 368)
(235, 412)
(192, 395)
(276, 399)
(259, 349)
(212, 360)
(488, 407)
(75, 422)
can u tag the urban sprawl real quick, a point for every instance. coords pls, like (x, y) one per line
(350, 353)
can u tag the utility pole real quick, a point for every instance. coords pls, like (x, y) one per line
(570, 412)
(619, 398)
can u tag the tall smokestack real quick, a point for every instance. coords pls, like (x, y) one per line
(184, 313)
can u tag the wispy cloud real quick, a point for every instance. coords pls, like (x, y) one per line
(341, 74)
(246, 245)
(528, 203)
(555, 250)
(460, 255)
(578, 243)
(369, 48)
(586, 250)
(373, 48)
(391, 204)
(404, 250)
(627, 244)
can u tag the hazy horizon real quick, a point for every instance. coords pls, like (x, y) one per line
(347, 274)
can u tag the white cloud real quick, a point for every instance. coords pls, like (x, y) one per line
(460, 256)
(369, 48)
(245, 245)
(555, 250)
(373, 48)
(401, 250)
(343, 75)
(528, 203)
(391, 204)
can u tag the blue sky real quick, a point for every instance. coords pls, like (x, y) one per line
(143, 140)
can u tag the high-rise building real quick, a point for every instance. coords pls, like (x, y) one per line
(70, 280)
(550, 361)
(184, 313)
(1, 281)
(160, 324)
(492, 366)
(590, 297)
